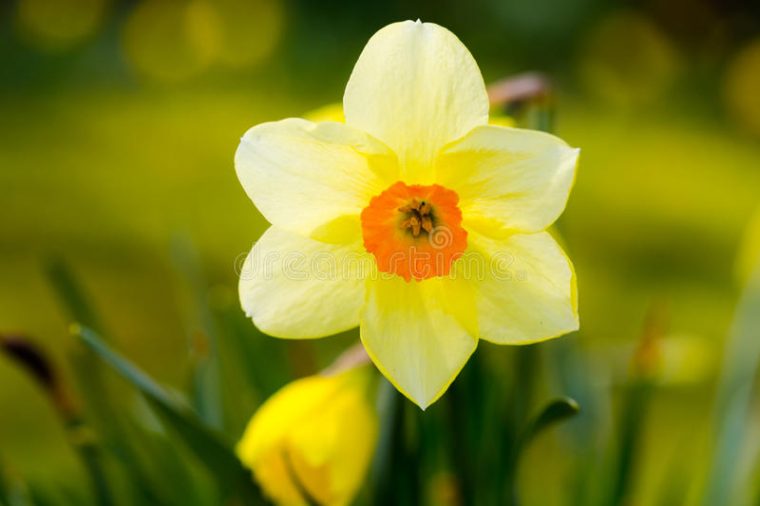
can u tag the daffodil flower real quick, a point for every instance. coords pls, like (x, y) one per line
(414, 218)
(314, 437)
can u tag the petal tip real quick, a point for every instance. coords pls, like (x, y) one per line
(420, 396)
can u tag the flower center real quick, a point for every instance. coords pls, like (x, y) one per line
(414, 231)
(418, 217)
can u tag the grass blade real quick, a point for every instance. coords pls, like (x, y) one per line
(734, 397)
(232, 476)
(39, 367)
(71, 294)
(555, 412)
(92, 385)
(207, 393)
(3, 485)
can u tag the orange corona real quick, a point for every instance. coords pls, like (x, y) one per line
(414, 231)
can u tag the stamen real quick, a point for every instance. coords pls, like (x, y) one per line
(418, 217)
(415, 225)
(427, 224)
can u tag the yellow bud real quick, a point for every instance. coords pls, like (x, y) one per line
(316, 434)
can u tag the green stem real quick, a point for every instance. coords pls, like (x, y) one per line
(632, 415)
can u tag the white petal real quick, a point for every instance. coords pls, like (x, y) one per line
(295, 287)
(416, 87)
(303, 175)
(508, 177)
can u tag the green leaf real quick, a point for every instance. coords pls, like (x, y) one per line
(395, 472)
(14, 492)
(734, 397)
(570, 365)
(555, 412)
(71, 294)
(206, 389)
(233, 478)
(129, 443)
(110, 424)
(33, 360)
(380, 474)
(3, 485)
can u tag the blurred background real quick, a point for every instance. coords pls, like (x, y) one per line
(118, 125)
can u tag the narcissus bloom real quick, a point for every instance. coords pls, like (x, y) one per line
(413, 218)
(316, 435)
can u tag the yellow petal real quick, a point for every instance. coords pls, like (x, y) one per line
(323, 429)
(508, 177)
(295, 287)
(264, 443)
(526, 290)
(302, 175)
(415, 87)
(341, 437)
(418, 333)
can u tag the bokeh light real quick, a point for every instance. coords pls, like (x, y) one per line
(627, 60)
(250, 31)
(742, 87)
(59, 24)
(171, 40)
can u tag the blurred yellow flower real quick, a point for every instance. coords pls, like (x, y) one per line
(415, 219)
(316, 435)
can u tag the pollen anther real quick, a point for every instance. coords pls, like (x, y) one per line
(418, 216)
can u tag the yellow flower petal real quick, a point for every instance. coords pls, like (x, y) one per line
(302, 175)
(326, 428)
(419, 334)
(526, 291)
(508, 177)
(264, 443)
(416, 88)
(342, 437)
(295, 287)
